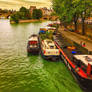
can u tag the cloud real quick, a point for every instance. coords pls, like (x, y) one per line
(16, 4)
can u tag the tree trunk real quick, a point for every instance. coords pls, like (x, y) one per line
(65, 25)
(83, 26)
(83, 16)
(75, 24)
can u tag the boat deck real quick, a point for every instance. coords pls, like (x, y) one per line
(63, 42)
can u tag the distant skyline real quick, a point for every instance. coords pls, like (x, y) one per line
(16, 4)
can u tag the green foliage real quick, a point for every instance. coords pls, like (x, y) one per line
(71, 10)
(23, 9)
(15, 17)
(47, 35)
(63, 9)
(66, 9)
(23, 14)
(53, 14)
(4, 11)
(85, 11)
(37, 14)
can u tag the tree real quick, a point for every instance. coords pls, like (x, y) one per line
(86, 9)
(71, 10)
(23, 9)
(37, 14)
(15, 17)
(76, 12)
(83, 9)
(64, 10)
(24, 13)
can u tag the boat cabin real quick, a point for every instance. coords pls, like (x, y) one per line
(49, 29)
(49, 44)
(84, 62)
(33, 45)
(33, 41)
(43, 29)
(49, 48)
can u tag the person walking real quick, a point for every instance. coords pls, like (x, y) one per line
(84, 44)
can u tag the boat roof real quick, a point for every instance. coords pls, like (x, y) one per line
(33, 38)
(48, 42)
(50, 27)
(47, 28)
(86, 59)
(44, 29)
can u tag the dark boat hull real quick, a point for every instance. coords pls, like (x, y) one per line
(85, 84)
(33, 50)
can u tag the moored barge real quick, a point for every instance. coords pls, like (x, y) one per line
(47, 29)
(33, 44)
(49, 50)
(78, 62)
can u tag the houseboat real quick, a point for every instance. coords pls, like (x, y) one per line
(49, 50)
(33, 44)
(42, 30)
(47, 29)
(78, 62)
(50, 25)
(51, 29)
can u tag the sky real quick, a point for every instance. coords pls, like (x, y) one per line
(16, 4)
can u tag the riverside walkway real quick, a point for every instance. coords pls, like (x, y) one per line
(77, 38)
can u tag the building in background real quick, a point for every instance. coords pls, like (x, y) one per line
(46, 12)
(32, 8)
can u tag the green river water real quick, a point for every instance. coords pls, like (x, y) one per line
(19, 73)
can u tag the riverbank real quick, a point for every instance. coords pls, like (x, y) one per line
(28, 21)
(88, 28)
(77, 38)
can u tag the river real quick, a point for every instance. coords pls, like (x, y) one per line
(19, 73)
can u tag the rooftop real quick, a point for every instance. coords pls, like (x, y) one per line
(49, 43)
(33, 39)
(86, 59)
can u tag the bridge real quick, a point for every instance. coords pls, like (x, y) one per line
(47, 17)
(5, 15)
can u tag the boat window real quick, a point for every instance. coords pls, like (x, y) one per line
(51, 47)
(91, 69)
(33, 42)
(78, 63)
(49, 42)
